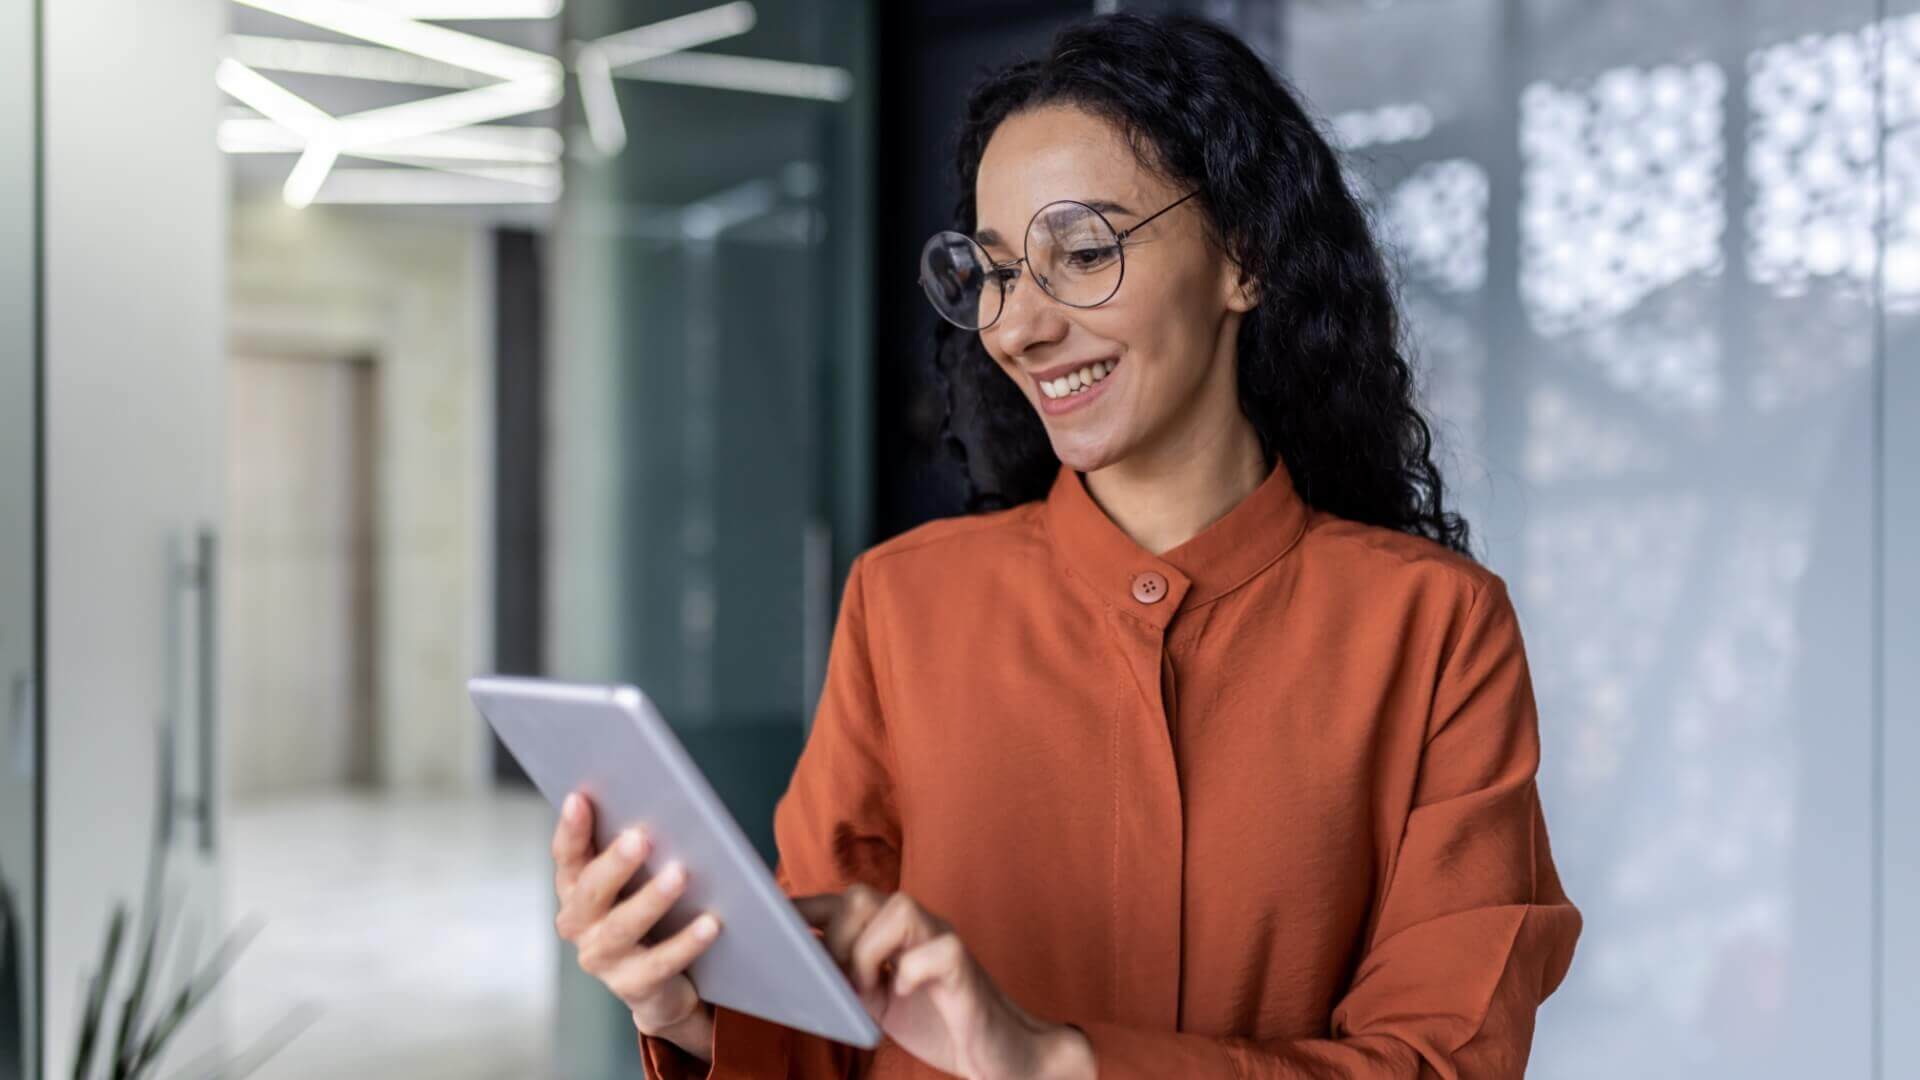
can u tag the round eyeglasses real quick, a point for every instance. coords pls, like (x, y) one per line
(1071, 249)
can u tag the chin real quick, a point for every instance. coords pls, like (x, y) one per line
(1083, 454)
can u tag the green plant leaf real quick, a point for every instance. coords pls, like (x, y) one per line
(190, 995)
(97, 992)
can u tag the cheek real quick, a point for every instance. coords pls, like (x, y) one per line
(1009, 370)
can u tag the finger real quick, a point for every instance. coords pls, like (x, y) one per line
(644, 973)
(593, 891)
(899, 925)
(819, 910)
(620, 932)
(572, 841)
(859, 904)
(942, 959)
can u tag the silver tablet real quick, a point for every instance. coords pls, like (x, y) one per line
(611, 743)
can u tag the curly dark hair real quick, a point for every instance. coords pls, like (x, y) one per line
(1320, 370)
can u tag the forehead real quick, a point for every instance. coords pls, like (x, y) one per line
(1054, 152)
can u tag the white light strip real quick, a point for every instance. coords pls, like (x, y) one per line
(339, 60)
(310, 172)
(502, 143)
(270, 99)
(422, 39)
(599, 102)
(289, 109)
(420, 187)
(444, 112)
(469, 9)
(748, 73)
(680, 32)
(595, 61)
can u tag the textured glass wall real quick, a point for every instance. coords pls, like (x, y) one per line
(1638, 250)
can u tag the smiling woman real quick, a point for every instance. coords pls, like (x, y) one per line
(1262, 291)
(1205, 748)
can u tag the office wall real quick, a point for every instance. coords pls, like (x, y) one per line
(412, 297)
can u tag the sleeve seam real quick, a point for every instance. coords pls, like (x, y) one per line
(1453, 654)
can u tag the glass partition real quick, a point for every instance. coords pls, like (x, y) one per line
(708, 469)
(1636, 243)
(19, 538)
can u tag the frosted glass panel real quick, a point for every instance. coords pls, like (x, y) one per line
(19, 786)
(1637, 252)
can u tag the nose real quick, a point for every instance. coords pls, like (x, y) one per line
(1031, 318)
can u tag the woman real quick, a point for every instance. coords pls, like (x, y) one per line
(1210, 752)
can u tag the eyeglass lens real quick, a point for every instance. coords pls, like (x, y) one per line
(1071, 251)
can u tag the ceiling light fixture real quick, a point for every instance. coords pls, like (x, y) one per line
(446, 10)
(375, 63)
(531, 82)
(498, 59)
(499, 143)
(752, 74)
(595, 62)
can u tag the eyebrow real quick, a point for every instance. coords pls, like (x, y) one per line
(990, 238)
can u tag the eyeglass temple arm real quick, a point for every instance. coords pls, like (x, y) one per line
(1138, 225)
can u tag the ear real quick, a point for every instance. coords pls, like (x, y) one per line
(1243, 292)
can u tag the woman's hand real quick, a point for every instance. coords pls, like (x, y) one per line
(931, 997)
(650, 979)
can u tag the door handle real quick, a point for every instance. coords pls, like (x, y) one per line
(20, 725)
(198, 574)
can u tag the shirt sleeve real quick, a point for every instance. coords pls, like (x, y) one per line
(838, 823)
(1472, 930)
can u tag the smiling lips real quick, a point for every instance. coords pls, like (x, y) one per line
(1078, 381)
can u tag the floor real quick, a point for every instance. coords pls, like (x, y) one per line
(417, 932)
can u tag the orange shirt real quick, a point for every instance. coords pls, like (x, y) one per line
(1270, 814)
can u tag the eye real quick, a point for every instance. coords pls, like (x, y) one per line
(1092, 257)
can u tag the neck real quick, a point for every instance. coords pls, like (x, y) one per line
(1162, 500)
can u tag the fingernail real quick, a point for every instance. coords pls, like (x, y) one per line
(705, 927)
(570, 809)
(630, 843)
(672, 876)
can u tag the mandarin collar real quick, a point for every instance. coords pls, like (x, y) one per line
(1249, 538)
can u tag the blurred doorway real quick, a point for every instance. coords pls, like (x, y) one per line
(300, 518)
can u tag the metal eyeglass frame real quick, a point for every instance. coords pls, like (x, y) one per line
(1004, 282)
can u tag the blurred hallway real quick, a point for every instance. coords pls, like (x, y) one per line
(420, 926)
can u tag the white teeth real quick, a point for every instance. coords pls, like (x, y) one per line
(1076, 382)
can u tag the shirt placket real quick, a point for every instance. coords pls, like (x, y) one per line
(1149, 815)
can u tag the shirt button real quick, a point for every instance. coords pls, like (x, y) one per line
(1149, 586)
